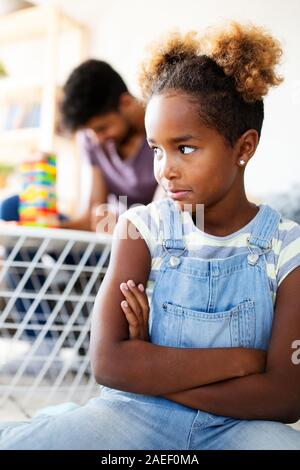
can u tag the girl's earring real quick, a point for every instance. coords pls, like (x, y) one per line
(242, 162)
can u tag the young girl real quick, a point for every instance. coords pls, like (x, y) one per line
(213, 367)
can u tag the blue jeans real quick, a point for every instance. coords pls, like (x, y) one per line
(9, 208)
(119, 422)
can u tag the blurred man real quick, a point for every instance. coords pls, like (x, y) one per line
(109, 122)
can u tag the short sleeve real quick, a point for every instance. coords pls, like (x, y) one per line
(289, 254)
(147, 220)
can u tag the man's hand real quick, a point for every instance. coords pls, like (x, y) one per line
(136, 310)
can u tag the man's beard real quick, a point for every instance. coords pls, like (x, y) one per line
(126, 137)
(128, 132)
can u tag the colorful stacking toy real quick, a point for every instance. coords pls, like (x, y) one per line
(38, 196)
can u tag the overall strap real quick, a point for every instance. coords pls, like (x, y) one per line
(264, 228)
(172, 226)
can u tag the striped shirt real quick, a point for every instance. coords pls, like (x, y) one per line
(280, 261)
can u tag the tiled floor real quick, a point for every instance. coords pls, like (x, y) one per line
(23, 394)
(12, 412)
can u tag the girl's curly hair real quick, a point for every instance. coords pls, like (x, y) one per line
(226, 72)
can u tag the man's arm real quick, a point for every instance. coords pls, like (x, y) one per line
(139, 366)
(274, 394)
(80, 223)
(98, 195)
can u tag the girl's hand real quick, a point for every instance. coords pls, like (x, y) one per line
(136, 310)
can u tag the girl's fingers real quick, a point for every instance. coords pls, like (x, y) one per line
(141, 296)
(132, 300)
(131, 317)
(134, 327)
(138, 302)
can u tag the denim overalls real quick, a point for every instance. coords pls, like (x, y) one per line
(196, 303)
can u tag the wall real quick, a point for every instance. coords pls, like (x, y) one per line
(120, 29)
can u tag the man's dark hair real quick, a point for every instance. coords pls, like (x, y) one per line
(92, 89)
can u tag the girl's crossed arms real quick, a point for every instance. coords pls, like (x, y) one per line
(239, 398)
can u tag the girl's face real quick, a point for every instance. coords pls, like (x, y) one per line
(191, 160)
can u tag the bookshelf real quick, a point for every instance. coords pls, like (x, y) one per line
(28, 106)
(35, 22)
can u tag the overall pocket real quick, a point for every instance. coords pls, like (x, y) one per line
(182, 327)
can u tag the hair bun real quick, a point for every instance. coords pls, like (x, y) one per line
(174, 47)
(247, 53)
